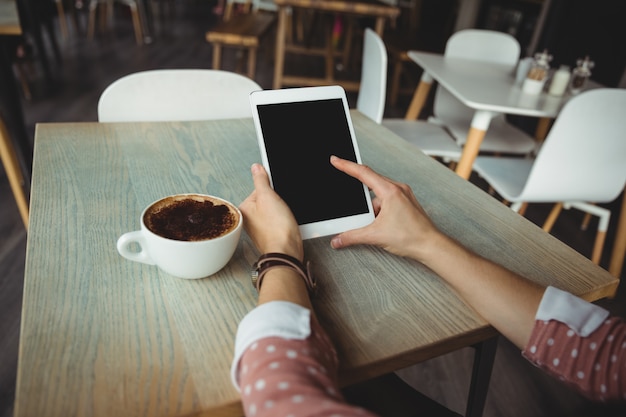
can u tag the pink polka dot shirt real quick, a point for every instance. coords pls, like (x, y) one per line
(286, 366)
(579, 344)
(293, 374)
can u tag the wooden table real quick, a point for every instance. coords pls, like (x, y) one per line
(104, 336)
(359, 8)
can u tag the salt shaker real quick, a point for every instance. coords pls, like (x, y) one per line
(538, 73)
(560, 81)
(580, 75)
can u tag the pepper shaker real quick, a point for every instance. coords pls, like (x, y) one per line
(580, 75)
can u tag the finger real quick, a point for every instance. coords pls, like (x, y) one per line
(376, 205)
(366, 175)
(249, 201)
(259, 177)
(352, 237)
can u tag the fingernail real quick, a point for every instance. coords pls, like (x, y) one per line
(335, 242)
(254, 168)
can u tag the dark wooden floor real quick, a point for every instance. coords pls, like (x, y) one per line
(87, 67)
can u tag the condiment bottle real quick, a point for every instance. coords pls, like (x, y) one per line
(580, 75)
(538, 73)
(560, 80)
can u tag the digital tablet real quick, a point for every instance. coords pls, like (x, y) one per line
(298, 130)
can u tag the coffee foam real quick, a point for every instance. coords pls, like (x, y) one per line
(191, 217)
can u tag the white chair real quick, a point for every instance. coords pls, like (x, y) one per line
(582, 160)
(501, 137)
(107, 16)
(373, 87)
(177, 95)
(372, 95)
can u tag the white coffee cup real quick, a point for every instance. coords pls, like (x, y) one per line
(177, 255)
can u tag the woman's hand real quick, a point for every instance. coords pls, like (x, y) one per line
(268, 220)
(401, 227)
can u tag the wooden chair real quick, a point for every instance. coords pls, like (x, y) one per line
(243, 30)
(581, 162)
(177, 95)
(14, 173)
(107, 15)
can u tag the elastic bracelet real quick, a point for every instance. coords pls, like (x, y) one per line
(273, 260)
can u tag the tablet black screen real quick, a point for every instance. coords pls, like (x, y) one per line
(300, 137)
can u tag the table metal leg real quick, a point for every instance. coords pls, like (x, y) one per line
(484, 356)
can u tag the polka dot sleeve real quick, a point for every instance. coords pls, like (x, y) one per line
(592, 362)
(293, 378)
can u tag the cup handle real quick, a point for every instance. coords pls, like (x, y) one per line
(123, 247)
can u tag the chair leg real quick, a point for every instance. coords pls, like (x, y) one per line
(395, 82)
(585, 223)
(12, 168)
(597, 247)
(91, 25)
(251, 62)
(522, 209)
(62, 21)
(21, 75)
(603, 225)
(137, 24)
(554, 214)
(217, 55)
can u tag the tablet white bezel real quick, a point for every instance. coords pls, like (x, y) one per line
(291, 95)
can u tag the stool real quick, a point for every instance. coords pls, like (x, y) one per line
(242, 31)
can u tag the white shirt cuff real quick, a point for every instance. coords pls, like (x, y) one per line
(577, 314)
(277, 318)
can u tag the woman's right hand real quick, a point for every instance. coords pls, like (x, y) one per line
(401, 227)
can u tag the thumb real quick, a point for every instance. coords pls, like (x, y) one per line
(259, 177)
(350, 238)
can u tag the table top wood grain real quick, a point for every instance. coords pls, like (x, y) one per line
(104, 336)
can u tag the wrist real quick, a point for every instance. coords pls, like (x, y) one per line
(284, 284)
(274, 260)
(434, 247)
(291, 247)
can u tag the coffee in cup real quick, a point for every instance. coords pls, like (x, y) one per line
(186, 235)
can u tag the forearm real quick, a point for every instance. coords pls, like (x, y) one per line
(506, 300)
(284, 284)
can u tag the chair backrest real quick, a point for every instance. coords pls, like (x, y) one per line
(480, 45)
(584, 155)
(177, 95)
(372, 91)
